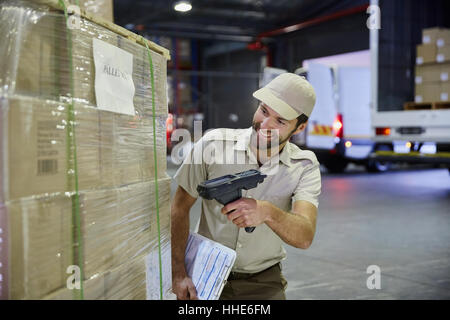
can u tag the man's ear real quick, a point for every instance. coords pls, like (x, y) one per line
(301, 127)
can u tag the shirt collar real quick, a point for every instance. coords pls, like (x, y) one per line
(285, 155)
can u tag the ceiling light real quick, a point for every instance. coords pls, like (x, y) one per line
(182, 6)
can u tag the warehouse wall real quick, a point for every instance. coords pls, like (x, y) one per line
(343, 35)
(231, 95)
(402, 22)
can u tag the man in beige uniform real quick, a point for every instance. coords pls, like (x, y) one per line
(283, 208)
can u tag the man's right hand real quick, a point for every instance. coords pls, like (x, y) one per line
(184, 288)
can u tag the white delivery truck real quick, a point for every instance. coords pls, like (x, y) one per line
(339, 129)
(402, 135)
(346, 124)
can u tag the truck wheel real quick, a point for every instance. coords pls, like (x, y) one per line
(379, 166)
(336, 165)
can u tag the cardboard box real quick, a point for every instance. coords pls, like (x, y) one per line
(127, 150)
(432, 73)
(35, 148)
(445, 91)
(116, 225)
(126, 282)
(101, 8)
(430, 35)
(111, 149)
(427, 92)
(133, 150)
(443, 38)
(444, 74)
(39, 242)
(119, 224)
(138, 209)
(426, 53)
(39, 64)
(443, 54)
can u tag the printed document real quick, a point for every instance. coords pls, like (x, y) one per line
(208, 264)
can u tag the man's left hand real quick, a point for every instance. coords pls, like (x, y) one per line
(247, 212)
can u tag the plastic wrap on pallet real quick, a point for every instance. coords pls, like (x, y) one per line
(107, 223)
(126, 282)
(118, 225)
(112, 149)
(35, 58)
(101, 8)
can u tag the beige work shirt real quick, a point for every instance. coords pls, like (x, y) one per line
(295, 176)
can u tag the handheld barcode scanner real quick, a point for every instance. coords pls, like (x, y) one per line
(228, 188)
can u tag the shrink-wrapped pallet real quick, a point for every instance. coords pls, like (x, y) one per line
(112, 149)
(116, 225)
(36, 58)
(78, 176)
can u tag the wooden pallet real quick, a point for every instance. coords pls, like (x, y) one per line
(426, 105)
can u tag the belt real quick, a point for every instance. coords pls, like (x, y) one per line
(245, 276)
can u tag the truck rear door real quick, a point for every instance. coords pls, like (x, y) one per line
(320, 127)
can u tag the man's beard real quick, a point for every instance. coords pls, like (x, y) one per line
(267, 144)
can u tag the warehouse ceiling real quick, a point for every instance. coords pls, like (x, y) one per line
(234, 20)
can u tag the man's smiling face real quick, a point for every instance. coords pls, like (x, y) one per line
(270, 129)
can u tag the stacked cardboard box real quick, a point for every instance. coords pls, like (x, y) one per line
(433, 66)
(117, 225)
(105, 224)
(46, 73)
(101, 8)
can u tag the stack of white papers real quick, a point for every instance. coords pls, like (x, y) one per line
(208, 264)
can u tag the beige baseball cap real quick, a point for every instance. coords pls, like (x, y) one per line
(289, 95)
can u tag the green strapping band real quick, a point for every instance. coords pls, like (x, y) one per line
(72, 165)
(156, 167)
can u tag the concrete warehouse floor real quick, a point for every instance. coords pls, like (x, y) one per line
(399, 221)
